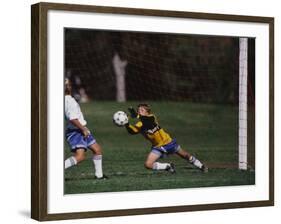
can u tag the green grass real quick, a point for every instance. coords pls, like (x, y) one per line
(210, 132)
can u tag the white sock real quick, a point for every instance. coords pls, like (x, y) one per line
(195, 162)
(160, 166)
(71, 161)
(97, 160)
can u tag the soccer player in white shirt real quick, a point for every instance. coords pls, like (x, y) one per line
(78, 135)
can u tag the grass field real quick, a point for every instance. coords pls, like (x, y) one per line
(210, 132)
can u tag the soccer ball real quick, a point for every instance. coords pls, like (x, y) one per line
(120, 118)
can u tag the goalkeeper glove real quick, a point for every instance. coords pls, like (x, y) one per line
(133, 112)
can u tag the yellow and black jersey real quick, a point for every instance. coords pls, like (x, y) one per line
(150, 129)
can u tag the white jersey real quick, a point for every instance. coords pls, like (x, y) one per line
(72, 111)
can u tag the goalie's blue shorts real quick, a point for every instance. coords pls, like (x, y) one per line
(76, 140)
(169, 148)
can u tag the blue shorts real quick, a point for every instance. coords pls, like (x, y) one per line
(76, 140)
(169, 148)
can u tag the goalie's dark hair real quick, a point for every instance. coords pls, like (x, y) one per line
(146, 106)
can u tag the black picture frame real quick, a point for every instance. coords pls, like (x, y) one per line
(39, 108)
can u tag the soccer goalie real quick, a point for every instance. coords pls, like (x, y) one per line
(78, 135)
(162, 143)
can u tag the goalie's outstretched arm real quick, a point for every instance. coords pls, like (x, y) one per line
(133, 130)
(133, 112)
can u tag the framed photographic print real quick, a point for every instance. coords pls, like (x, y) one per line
(138, 111)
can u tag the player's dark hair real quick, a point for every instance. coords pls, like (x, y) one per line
(67, 86)
(145, 106)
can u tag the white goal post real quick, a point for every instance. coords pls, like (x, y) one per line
(243, 80)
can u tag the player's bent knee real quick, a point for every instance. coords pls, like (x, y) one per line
(96, 148)
(80, 157)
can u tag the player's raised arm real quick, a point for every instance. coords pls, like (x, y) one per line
(133, 129)
(133, 112)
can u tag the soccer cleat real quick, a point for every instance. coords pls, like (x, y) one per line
(204, 169)
(104, 177)
(171, 168)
